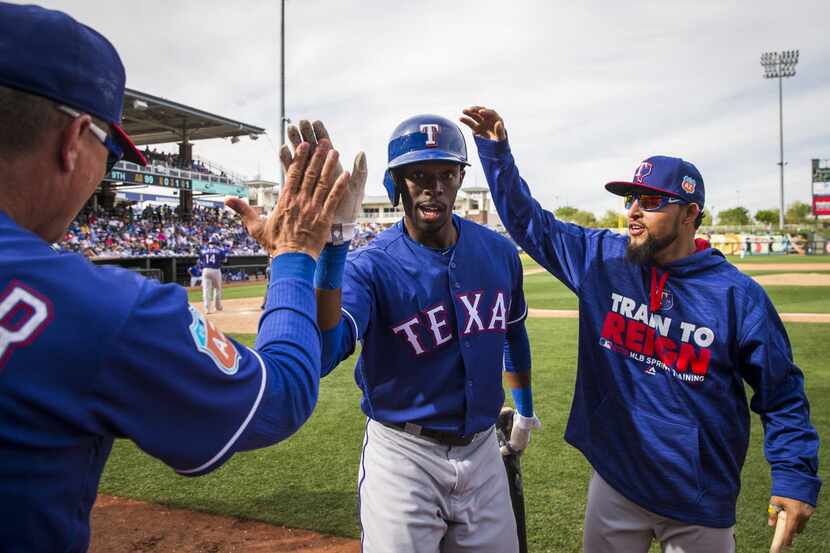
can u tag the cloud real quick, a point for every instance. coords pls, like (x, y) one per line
(587, 89)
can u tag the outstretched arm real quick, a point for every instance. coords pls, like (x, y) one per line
(337, 339)
(211, 395)
(564, 249)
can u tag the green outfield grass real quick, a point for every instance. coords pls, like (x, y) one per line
(794, 259)
(529, 263)
(763, 272)
(253, 290)
(309, 480)
(543, 291)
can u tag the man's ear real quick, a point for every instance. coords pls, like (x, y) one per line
(462, 172)
(71, 142)
(692, 212)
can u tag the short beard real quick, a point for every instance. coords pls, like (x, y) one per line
(645, 252)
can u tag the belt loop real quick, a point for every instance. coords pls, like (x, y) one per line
(412, 428)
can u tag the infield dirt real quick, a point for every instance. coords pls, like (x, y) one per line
(128, 526)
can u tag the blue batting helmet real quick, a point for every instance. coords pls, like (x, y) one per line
(423, 138)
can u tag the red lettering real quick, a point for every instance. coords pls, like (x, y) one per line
(634, 335)
(666, 350)
(699, 363)
(648, 348)
(613, 328)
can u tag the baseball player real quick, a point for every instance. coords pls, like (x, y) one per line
(669, 332)
(87, 353)
(195, 272)
(437, 303)
(211, 259)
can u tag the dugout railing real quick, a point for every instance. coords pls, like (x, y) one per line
(174, 269)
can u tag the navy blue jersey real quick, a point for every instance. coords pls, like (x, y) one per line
(195, 271)
(89, 354)
(433, 326)
(212, 257)
(660, 409)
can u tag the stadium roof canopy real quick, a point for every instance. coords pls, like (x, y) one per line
(153, 120)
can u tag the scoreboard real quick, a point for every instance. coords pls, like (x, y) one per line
(821, 187)
(149, 179)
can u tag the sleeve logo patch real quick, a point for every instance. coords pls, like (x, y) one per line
(210, 341)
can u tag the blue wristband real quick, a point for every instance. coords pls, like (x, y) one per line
(330, 266)
(523, 398)
(292, 265)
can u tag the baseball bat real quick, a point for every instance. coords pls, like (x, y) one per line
(778, 538)
(513, 467)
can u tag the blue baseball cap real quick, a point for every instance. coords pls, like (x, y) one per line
(47, 53)
(671, 176)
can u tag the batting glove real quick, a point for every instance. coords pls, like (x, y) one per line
(520, 435)
(345, 217)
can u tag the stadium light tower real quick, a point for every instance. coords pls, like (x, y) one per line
(777, 66)
(283, 120)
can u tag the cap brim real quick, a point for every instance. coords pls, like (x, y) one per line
(131, 151)
(417, 156)
(621, 188)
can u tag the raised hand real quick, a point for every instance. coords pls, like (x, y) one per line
(484, 122)
(316, 135)
(302, 220)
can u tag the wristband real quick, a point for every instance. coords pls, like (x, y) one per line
(293, 265)
(523, 399)
(330, 266)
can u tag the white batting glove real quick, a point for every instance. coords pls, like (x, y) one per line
(345, 217)
(520, 435)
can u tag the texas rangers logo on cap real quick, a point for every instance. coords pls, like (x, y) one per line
(688, 185)
(643, 171)
(431, 130)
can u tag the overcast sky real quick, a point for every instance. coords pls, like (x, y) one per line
(587, 89)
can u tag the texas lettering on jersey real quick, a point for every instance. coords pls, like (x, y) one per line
(478, 318)
(629, 329)
(24, 314)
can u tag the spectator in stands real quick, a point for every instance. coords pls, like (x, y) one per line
(123, 232)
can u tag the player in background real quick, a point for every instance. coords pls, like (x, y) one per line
(437, 303)
(669, 332)
(195, 272)
(211, 258)
(89, 354)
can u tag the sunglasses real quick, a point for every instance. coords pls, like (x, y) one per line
(651, 202)
(115, 152)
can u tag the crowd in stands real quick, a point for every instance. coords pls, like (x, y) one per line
(127, 231)
(154, 231)
(175, 161)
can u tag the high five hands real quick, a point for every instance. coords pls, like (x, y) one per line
(484, 122)
(346, 215)
(319, 201)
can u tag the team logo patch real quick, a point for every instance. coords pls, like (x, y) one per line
(643, 171)
(688, 185)
(431, 130)
(210, 341)
(668, 301)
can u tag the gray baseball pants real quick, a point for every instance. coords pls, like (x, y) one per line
(418, 496)
(212, 283)
(613, 524)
